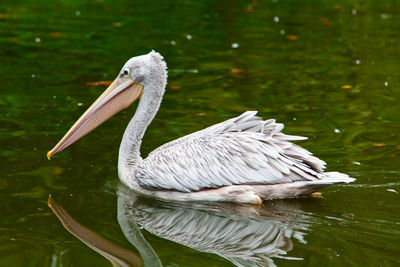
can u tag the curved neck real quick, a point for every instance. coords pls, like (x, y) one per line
(129, 151)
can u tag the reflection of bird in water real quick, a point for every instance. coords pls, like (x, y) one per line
(117, 255)
(244, 235)
(244, 159)
(233, 232)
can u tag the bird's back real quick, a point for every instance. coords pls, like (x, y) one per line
(241, 150)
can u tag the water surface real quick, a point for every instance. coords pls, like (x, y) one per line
(328, 70)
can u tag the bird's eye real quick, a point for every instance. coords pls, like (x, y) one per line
(125, 73)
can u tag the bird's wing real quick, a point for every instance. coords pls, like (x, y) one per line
(242, 150)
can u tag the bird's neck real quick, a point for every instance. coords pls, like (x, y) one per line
(129, 151)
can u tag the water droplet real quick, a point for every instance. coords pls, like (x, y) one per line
(276, 19)
(336, 131)
(235, 45)
(77, 13)
(54, 97)
(189, 37)
(282, 32)
(354, 11)
(38, 40)
(173, 42)
(80, 104)
(356, 163)
(386, 83)
(33, 75)
(358, 62)
(385, 16)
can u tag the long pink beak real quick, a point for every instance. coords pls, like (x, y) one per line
(118, 96)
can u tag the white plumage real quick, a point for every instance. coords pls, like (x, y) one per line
(242, 150)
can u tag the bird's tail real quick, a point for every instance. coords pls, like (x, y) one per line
(304, 188)
(335, 178)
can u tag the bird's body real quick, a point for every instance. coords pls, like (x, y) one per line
(244, 159)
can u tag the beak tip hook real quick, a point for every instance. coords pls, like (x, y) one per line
(48, 155)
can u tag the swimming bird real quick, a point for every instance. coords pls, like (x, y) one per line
(244, 159)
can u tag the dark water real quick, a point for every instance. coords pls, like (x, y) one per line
(328, 70)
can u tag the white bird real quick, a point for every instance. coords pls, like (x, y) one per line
(244, 159)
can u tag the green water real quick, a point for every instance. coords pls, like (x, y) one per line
(328, 70)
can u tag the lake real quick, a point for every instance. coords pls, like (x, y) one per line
(328, 70)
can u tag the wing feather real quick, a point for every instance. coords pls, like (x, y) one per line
(242, 150)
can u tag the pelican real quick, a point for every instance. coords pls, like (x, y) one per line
(244, 159)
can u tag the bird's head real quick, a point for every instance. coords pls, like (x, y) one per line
(133, 79)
